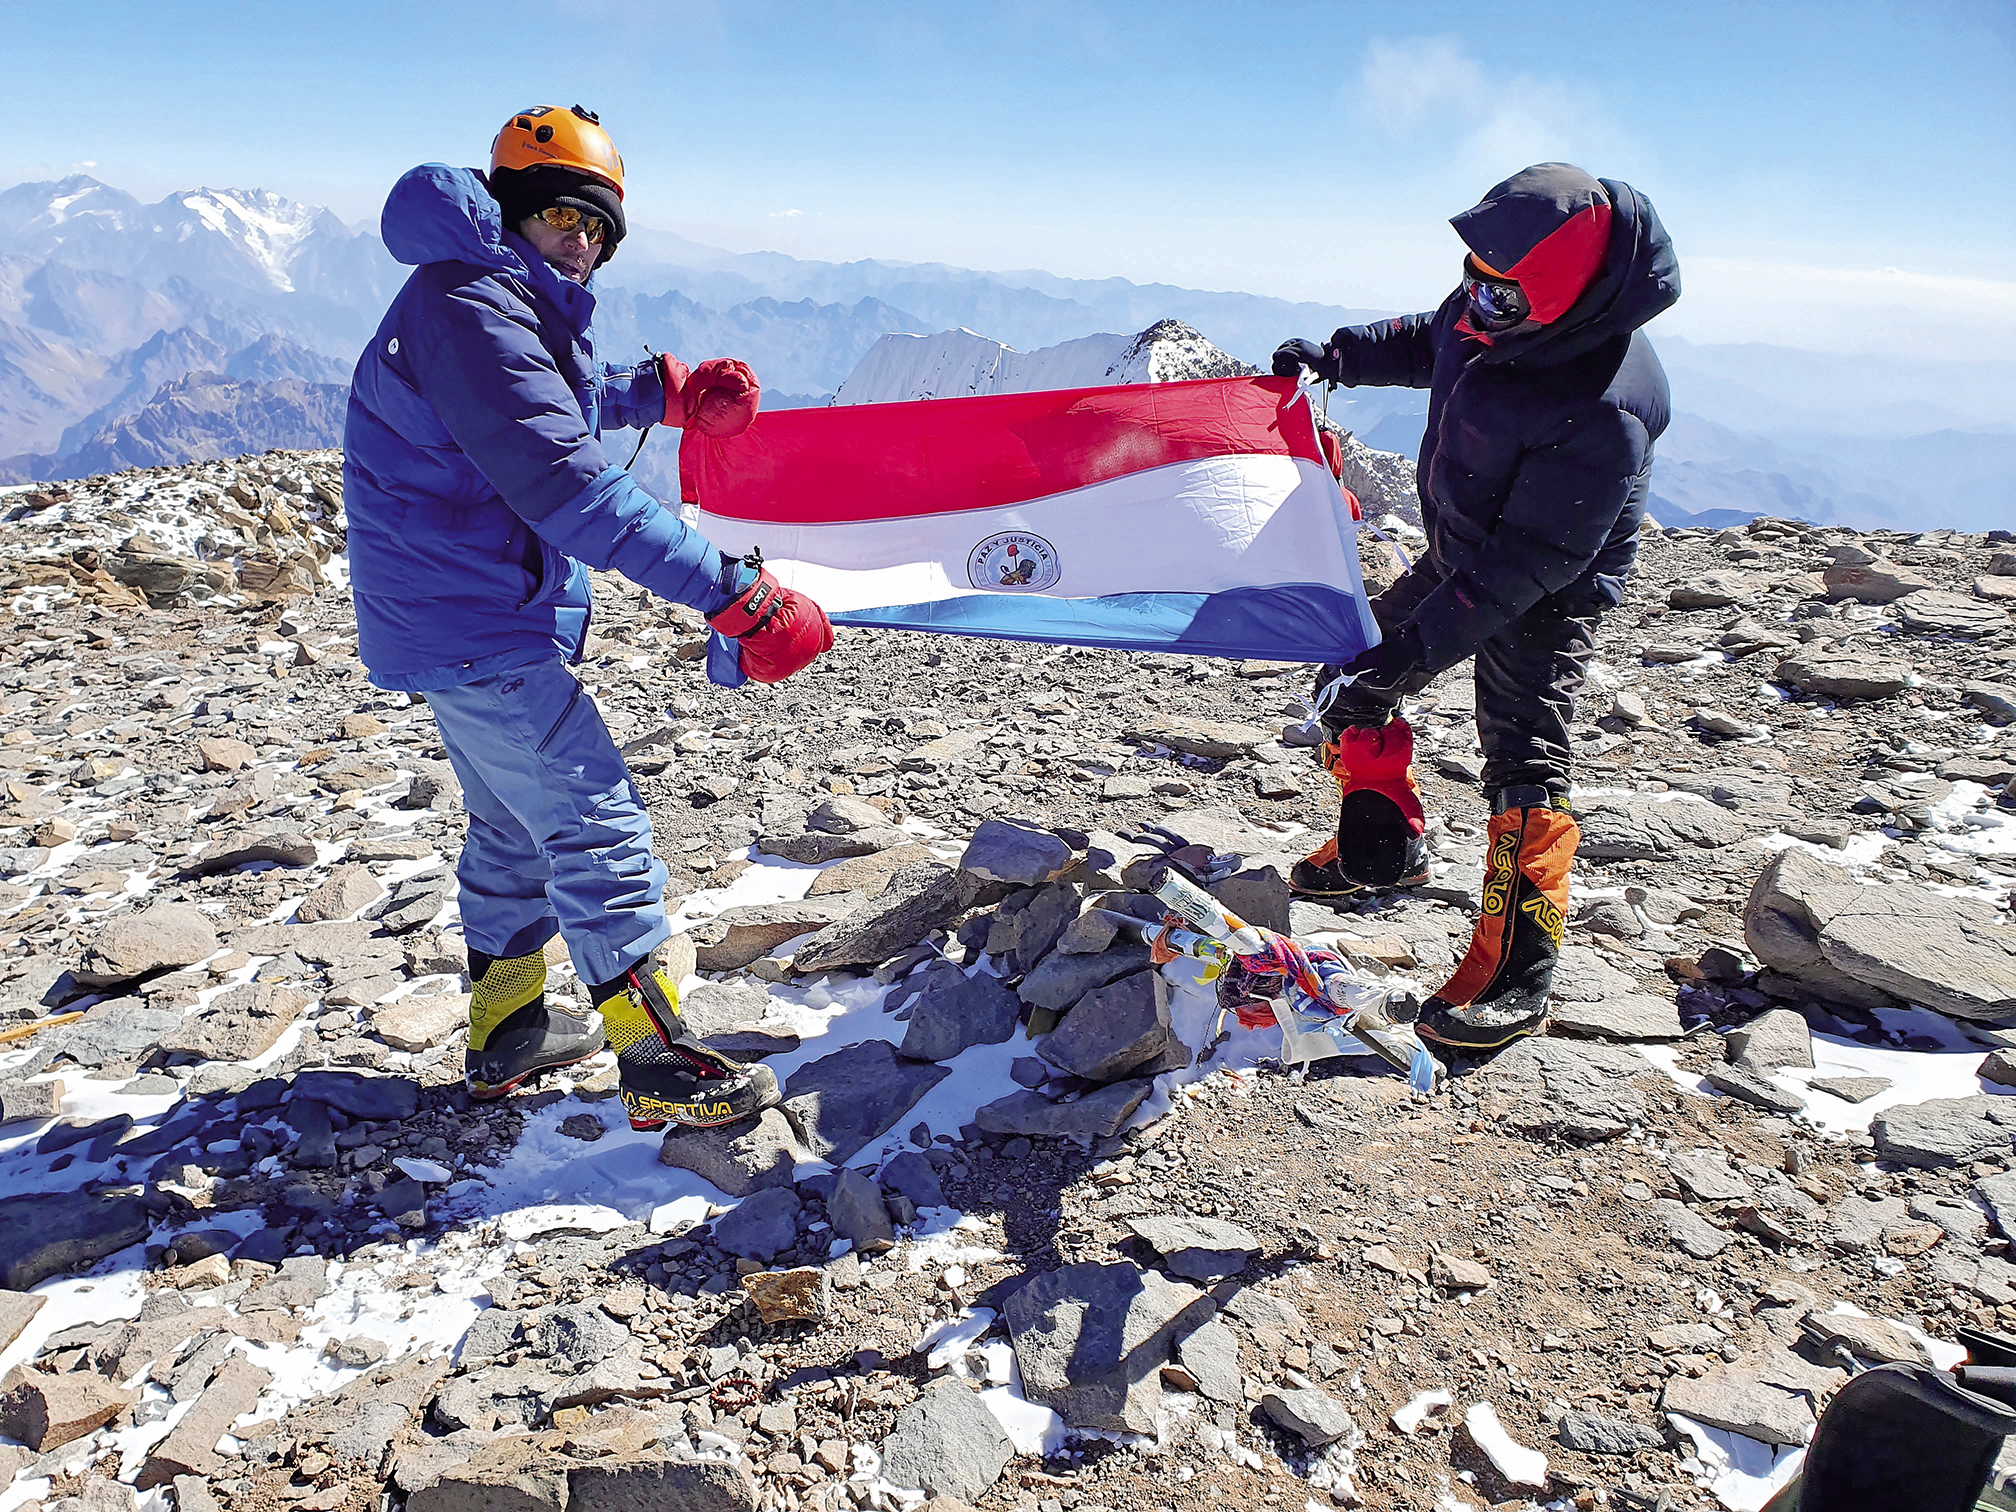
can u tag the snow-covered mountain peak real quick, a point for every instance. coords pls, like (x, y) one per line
(959, 362)
(267, 227)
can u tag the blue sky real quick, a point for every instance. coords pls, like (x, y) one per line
(1836, 175)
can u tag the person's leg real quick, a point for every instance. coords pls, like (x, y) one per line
(1380, 840)
(1527, 679)
(548, 757)
(506, 921)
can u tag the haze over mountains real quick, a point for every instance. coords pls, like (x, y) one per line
(223, 321)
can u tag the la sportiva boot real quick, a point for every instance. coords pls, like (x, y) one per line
(664, 1075)
(513, 1035)
(1501, 986)
(1381, 838)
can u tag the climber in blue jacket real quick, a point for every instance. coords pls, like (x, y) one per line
(479, 495)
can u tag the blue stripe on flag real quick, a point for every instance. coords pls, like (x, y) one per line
(1297, 622)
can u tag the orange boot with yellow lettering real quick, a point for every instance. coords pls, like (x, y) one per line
(1501, 987)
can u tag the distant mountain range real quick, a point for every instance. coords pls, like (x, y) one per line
(221, 321)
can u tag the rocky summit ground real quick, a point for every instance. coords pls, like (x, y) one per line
(1026, 1233)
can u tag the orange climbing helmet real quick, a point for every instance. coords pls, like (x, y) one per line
(548, 137)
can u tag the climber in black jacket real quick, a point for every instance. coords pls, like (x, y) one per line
(1544, 401)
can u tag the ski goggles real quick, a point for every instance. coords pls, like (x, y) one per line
(1496, 304)
(565, 218)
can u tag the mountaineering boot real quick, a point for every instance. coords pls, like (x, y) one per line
(513, 1035)
(1381, 830)
(664, 1075)
(1500, 988)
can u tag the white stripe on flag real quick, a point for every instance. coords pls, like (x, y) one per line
(1190, 527)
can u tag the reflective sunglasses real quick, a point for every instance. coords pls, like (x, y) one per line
(566, 218)
(1496, 304)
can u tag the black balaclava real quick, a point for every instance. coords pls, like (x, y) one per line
(524, 192)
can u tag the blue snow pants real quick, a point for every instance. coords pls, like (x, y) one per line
(558, 840)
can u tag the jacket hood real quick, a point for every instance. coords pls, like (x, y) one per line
(1591, 253)
(440, 214)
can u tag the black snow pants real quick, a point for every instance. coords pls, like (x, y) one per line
(1527, 676)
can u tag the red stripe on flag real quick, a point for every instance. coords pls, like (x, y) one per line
(938, 456)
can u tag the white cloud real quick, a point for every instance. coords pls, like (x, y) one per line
(1431, 89)
(786, 214)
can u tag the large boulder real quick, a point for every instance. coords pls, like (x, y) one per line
(1816, 925)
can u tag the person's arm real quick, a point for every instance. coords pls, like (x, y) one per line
(1564, 502)
(476, 356)
(632, 396)
(1387, 353)
(1396, 353)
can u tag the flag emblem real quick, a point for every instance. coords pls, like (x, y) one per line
(1014, 562)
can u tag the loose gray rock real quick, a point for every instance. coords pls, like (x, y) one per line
(1099, 1114)
(856, 1210)
(349, 889)
(1646, 829)
(1843, 674)
(1060, 980)
(842, 815)
(752, 1155)
(912, 1175)
(583, 1334)
(841, 1101)
(1854, 1089)
(1687, 1231)
(1630, 1016)
(281, 846)
(1742, 1404)
(1945, 1131)
(947, 1443)
(956, 1012)
(1998, 1195)
(1747, 1086)
(760, 1225)
(1117, 1031)
(53, 1233)
(1770, 1042)
(1001, 851)
(917, 900)
(735, 937)
(1209, 1250)
(815, 848)
(1210, 1353)
(1931, 612)
(1315, 1417)
(1586, 1433)
(1706, 1174)
(156, 939)
(359, 1095)
(1091, 1341)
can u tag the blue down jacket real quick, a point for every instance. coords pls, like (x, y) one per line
(473, 477)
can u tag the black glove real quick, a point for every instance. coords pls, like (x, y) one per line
(1292, 356)
(1385, 674)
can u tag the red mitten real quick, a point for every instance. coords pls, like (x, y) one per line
(1380, 824)
(675, 375)
(779, 632)
(722, 397)
(1380, 761)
